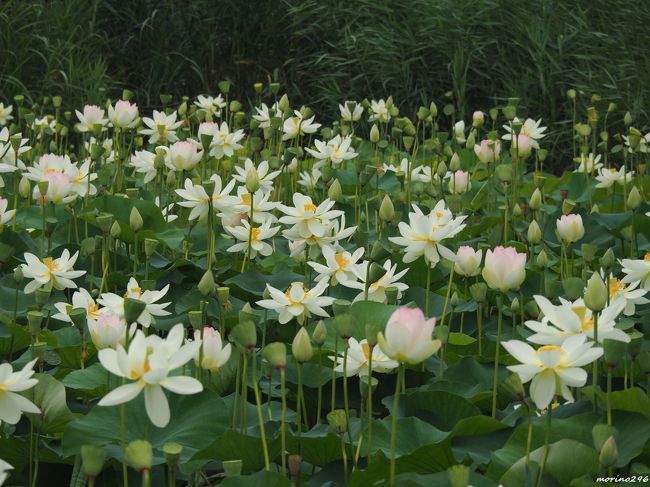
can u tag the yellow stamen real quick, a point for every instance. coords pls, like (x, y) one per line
(615, 287)
(255, 234)
(309, 207)
(246, 199)
(549, 348)
(51, 264)
(341, 261)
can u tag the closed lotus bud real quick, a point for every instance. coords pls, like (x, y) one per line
(92, 460)
(455, 300)
(513, 387)
(627, 119)
(135, 220)
(534, 233)
(570, 228)
(609, 453)
(608, 259)
(374, 134)
(535, 200)
(433, 109)
(116, 231)
(471, 140)
(386, 209)
(301, 346)
(514, 306)
(542, 259)
(571, 94)
(24, 187)
(206, 285)
(133, 308)
(344, 325)
(458, 475)
(150, 245)
(139, 455)
(172, 451)
(18, 275)
(276, 354)
(252, 180)
(614, 352)
(337, 420)
(478, 291)
(320, 334)
(634, 199)
(245, 335)
(596, 293)
(441, 170)
(335, 191)
(454, 162)
(532, 309)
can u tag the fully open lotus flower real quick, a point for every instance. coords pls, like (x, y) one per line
(115, 303)
(504, 268)
(183, 155)
(377, 289)
(637, 270)
(91, 116)
(609, 177)
(225, 142)
(5, 113)
(574, 318)
(351, 111)
(195, 197)
(335, 151)
(262, 206)
(589, 163)
(408, 336)
(210, 105)
(488, 150)
(264, 177)
(630, 294)
(264, 114)
(5, 215)
(379, 111)
(339, 266)
(65, 180)
(307, 218)
(527, 139)
(10, 159)
(213, 354)
(161, 128)
(335, 231)
(570, 228)
(57, 273)
(124, 114)
(148, 364)
(255, 236)
(467, 262)
(80, 300)
(358, 357)
(298, 301)
(12, 405)
(298, 125)
(423, 235)
(309, 179)
(144, 163)
(552, 368)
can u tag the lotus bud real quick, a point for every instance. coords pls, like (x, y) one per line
(252, 180)
(172, 451)
(478, 292)
(320, 334)
(471, 141)
(542, 259)
(244, 334)
(301, 346)
(232, 468)
(458, 475)
(276, 354)
(116, 231)
(441, 170)
(571, 94)
(627, 119)
(514, 306)
(608, 259)
(150, 245)
(133, 308)
(516, 210)
(634, 199)
(92, 460)
(494, 113)
(206, 285)
(283, 104)
(609, 453)
(386, 209)
(335, 191)
(135, 220)
(344, 325)
(374, 134)
(534, 233)
(337, 420)
(25, 187)
(433, 109)
(454, 163)
(614, 352)
(18, 275)
(139, 455)
(596, 293)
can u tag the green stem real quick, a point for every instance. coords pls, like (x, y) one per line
(283, 425)
(609, 395)
(495, 379)
(125, 472)
(346, 404)
(479, 328)
(320, 387)
(426, 298)
(546, 445)
(370, 351)
(336, 352)
(393, 430)
(146, 477)
(260, 418)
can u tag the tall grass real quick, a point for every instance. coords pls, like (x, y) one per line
(325, 51)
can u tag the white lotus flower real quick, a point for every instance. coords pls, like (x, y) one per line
(589, 163)
(91, 116)
(195, 197)
(574, 318)
(57, 273)
(5, 113)
(423, 235)
(467, 261)
(80, 300)
(213, 353)
(116, 303)
(262, 206)
(377, 289)
(4, 466)
(609, 177)
(144, 163)
(307, 218)
(459, 132)
(335, 151)
(43, 125)
(358, 358)
(335, 231)
(148, 364)
(378, 111)
(124, 114)
(264, 114)
(459, 182)
(351, 111)
(408, 336)
(527, 139)
(263, 175)
(161, 128)
(5, 215)
(257, 236)
(630, 294)
(309, 179)
(298, 301)
(552, 368)
(637, 270)
(9, 158)
(570, 228)
(298, 125)
(225, 142)
(339, 266)
(210, 105)
(12, 405)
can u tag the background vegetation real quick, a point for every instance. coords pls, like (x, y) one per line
(325, 51)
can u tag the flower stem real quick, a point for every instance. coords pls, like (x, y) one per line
(346, 404)
(283, 422)
(426, 297)
(336, 352)
(393, 430)
(546, 445)
(609, 395)
(260, 418)
(479, 328)
(495, 379)
(320, 387)
(371, 347)
(125, 473)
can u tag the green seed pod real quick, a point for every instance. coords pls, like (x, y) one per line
(92, 460)
(337, 420)
(276, 354)
(244, 335)
(139, 455)
(344, 325)
(172, 453)
(133, 308)
(615, 351)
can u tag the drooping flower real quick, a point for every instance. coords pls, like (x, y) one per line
(504, 268)
(148, 363)
(12, 405)
(408, 336)
(57, 273)
(552, 368)
(574, 318)
(358, 358)
(298, 301)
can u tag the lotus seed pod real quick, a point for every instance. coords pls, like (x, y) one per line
(344, 325)
(133, 308)
(139, 455)
(92, 460)
(172, 453)
(276, 354)
(478, 292)
(614, 352)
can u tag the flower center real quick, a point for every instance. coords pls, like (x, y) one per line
(134, 290)
(309, 207)
(615, 287)
(93, 309)
(246, 199)
(255, 234)
(550, 348)
(341, 261)
(586, 322)
(51, 264)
